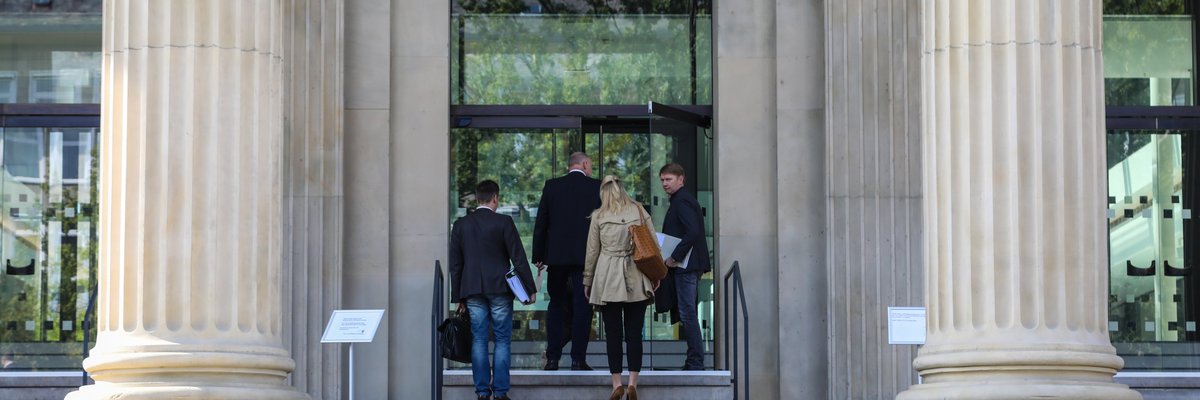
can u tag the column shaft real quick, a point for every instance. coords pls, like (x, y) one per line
(190, 302)
(1014, 171)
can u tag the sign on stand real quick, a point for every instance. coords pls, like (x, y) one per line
(352, 326)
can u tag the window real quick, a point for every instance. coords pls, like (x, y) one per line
(1153, 159)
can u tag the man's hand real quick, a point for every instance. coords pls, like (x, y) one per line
(540, 267)
(462, 307)
(654, 285)
(587, 292)
(532, 299)
(670, 262)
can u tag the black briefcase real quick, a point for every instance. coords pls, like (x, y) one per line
(454, 337)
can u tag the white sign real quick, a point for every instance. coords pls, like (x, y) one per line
(352, 326)
(906, 325)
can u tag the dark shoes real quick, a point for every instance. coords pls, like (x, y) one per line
(483, 397)
(551, 365)
(504, 397)
(580, 366)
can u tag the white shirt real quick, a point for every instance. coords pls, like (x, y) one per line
(485, 207)
(577, 169)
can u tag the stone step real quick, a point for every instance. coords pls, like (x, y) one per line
(585, 385)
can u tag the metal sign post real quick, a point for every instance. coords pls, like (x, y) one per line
(352, 326)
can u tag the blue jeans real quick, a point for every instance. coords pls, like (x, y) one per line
(494, 312)
(686, 296)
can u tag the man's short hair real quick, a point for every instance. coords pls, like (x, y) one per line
(577, 158)
(672, 168)
(486, 191)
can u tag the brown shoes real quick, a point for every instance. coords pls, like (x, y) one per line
(617, 393)
(631, 393)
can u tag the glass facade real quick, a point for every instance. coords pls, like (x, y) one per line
(50, 55)
(538, 53)
(1148, 53)
(1154, 292)
(560, 52)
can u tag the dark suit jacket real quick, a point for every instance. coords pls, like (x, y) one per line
(685, 222)
(481, 246)
(561, 230)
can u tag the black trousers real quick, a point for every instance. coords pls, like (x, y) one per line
(569, 317)
(623, 322)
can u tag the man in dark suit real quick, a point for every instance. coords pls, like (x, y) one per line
(559, 243)
(684, 221)
(482, 246)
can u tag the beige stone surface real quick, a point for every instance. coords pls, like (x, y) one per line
(419, 184)
(873, 192)
(1013, 166)
(313, 204)
(744, 152)
(368, 54)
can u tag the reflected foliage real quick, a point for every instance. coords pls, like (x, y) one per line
(597, 52)
(1144, 7)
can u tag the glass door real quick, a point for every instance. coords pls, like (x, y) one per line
(48, 183)
(521, 159)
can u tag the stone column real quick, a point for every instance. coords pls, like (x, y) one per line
(1013, 107)
(190, 300)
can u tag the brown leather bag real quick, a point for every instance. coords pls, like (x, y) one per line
(646, 254)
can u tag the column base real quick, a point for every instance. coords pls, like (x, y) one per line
(189, 372)
(984, 390)
(138, 392)
(1018, 371)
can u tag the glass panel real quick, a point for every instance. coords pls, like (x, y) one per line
(1148, 53)
(505, 52)
(521, 160)
(48, 244)
(50, 53)
(1154, 305)
(635, 152)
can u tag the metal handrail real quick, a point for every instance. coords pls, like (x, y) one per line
(87, 323)
(438, 314)
(733, 297)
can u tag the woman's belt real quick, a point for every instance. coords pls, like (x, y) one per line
(617, 253)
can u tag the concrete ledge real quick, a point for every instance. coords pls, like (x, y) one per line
(558, 385)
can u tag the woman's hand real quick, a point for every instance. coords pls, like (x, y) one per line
(587, 292)
(655, 284)
(462, 306)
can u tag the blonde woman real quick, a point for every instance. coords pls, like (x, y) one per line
(613, 283)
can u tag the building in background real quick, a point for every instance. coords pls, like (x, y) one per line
(259, 164)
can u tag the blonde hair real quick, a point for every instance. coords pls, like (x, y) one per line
(613, 198)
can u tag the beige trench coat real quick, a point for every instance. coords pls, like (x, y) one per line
(608, 268)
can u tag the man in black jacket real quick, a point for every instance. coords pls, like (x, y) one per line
(685, 221)
(482, 246)
(559, 242)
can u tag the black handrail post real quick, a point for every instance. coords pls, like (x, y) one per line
(746, 328)
(87, 319)
(734, 296)
(438, 314)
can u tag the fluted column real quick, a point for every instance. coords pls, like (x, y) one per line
(1013, 107)
(190, 300)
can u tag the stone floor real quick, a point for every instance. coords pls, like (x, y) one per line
(559, 385)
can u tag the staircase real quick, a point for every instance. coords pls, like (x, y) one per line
(584, 385)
